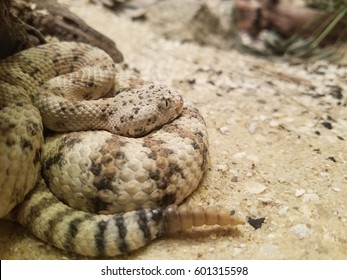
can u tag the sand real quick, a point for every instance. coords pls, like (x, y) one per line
(277, 132)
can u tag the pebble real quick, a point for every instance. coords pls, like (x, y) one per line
(300, 230)
(324, 174)
(283, 210)
(336, 189)
(255, 187)
(266, 200)
(213, 236)
(310, 197)
(234, 179)
(336, 186)
(252, 128)
(273, 123)
(225, 130)
(253, 158)
(261, 117)
(236, 251)
(222, 167)
(299, 192)
(268, 250)
(205, 68)
(282, 180)
(239, 155)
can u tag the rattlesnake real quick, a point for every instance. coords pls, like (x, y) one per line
(111, 191)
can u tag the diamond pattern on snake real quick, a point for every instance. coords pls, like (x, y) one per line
(107, 177)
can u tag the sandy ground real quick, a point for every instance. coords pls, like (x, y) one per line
(278, 149)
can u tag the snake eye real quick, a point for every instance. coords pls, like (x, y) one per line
(164, 104)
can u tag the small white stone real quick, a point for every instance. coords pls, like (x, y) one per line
(225, 130)
(255, 187)
(310, 197)
(252, 128)
(299, 192)
(262, 117)
(268, 250)
(240, 155)
(205, 68)
(300, 230)
(213, 236)
(283, 210)
(273, 123)
(336, 186)
(253, 158)
(222, 167)
(281, 180)
(266, 200)
(278, 115)
(211, 250)
(236, 251)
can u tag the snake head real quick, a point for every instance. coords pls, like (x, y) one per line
(146, 108)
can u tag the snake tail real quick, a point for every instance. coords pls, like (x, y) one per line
(109, 235)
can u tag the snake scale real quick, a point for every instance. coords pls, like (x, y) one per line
(107, 177)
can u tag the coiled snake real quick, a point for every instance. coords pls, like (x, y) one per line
(117, 166)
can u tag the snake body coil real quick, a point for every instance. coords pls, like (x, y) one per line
(111, 178)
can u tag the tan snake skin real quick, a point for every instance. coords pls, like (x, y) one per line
(113, 179)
